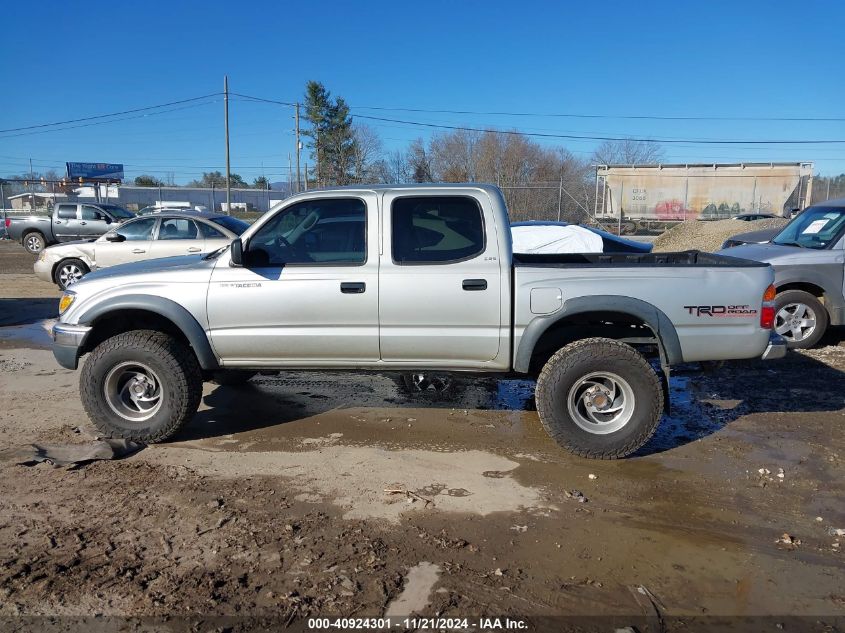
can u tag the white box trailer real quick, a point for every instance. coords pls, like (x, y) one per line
(638, 194)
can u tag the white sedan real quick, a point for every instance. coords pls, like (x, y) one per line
(165, 234)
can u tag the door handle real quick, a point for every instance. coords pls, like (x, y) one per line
(475, 284)
(138, 251)
(194, 249)
(83, 223)
(352, 287)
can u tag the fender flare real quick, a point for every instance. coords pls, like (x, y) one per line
(654, 318)
(833, 301)
(166, 308)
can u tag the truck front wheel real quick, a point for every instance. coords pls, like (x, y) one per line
(141, 385)
(599, 398)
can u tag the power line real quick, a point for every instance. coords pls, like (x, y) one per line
(128, 118)
(604, 116)
(104, 116)
(603, 138)
(576, 136)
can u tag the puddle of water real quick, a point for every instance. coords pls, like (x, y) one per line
(37, 333)
(414, 597)
(371, 482)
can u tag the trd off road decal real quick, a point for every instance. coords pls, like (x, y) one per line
(721, 311)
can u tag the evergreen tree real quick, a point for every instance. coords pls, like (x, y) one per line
(331, 133)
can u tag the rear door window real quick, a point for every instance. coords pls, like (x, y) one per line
(67, 211)
(177, 229)
(436, 229)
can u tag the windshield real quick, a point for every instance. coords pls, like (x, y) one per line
(235, 225)
(817, 227)
(116, 211)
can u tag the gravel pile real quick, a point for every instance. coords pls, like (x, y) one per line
(709, 235)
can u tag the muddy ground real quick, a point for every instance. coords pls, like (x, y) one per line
(342, 495)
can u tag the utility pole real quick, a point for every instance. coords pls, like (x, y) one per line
(297, 149)
(228, 168)
(290, 178)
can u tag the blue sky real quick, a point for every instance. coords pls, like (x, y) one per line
(726, 59)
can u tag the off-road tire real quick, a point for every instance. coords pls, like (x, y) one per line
(231, 377)
(68, 262)
(822, 319)
(33, 242)
(177, 368)
(575, 361)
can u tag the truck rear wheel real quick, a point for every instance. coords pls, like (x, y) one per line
(599, 398)
(141, 385)
(34, 242)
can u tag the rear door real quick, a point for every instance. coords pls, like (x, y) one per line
(135, 246)
(93, 222)
(176, 236)
(66, 222)
(439, 293)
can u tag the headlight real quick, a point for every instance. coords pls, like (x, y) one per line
(65, 302)
(42, 255)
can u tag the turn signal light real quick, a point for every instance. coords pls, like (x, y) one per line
(767, 317)
(770, 293)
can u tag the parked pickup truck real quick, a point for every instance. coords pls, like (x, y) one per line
(69, 221)
(406, 278)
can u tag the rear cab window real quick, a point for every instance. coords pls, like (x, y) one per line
(436, 229)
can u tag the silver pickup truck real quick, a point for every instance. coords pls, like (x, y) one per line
(398, 278)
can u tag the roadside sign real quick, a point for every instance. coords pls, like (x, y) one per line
(95, 171)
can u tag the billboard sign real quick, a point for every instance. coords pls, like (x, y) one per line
(95, 171)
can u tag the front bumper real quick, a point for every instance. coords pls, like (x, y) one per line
(67, 341)
(43, 269)
(776, 347)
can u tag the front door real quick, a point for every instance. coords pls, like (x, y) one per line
(440, 295)
(308, 290)
(135, 246)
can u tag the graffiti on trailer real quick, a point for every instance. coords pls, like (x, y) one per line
(673, 210)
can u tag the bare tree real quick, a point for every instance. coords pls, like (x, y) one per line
(419, 162)
(366, 153)
(628, 152)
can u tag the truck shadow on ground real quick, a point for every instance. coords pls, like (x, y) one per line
(703, 403)
(802, 382)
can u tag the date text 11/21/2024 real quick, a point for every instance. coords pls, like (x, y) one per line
(418, 623)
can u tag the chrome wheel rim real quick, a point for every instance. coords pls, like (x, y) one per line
(33, 244)
(795, 322)
(601, 402)
(69, 274)
(133, 391)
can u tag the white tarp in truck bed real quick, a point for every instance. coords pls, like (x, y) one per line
(555, 239)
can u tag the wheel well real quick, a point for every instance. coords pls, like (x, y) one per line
(62, 261)
(121, 321)
(613, 325)
(806, 286)
(31, 231)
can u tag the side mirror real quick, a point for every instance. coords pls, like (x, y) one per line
(115, 237)
(236, 252)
